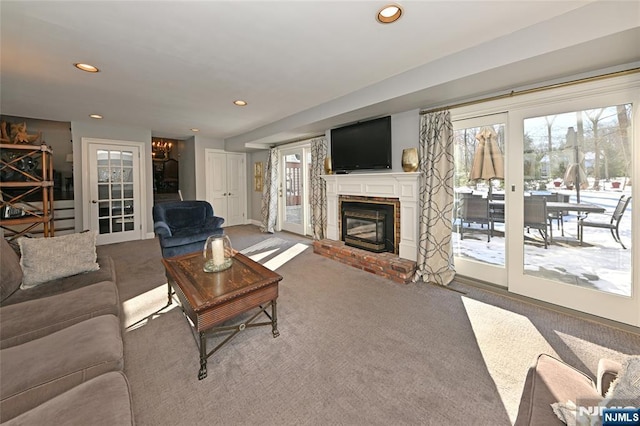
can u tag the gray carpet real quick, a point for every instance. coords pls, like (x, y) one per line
(354, 349)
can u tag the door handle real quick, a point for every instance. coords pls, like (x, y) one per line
(93, 201)
(230, 194)
(224, 195)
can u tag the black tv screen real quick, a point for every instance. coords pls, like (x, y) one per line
(362, 146)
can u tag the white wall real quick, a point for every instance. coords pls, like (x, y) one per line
(186, 156)
(103, 130)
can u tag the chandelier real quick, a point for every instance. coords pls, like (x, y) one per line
(160, 148)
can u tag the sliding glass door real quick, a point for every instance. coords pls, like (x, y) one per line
(479, 231)
(561, 227)
(576, 202)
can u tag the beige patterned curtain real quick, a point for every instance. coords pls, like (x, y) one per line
(318, 188)
(435, 255)
(270, 193)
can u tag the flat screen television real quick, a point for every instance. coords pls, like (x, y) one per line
(362, 146)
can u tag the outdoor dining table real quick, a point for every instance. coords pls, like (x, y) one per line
(557, 206)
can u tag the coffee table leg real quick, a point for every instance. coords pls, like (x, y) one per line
(169, 293)
(274, 319)
(203, 357)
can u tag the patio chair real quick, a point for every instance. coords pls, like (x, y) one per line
(474, 209)
(613, 224)
(536, 217)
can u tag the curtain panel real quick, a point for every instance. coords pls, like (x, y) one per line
(318, 202)
(435, 254)
(270, 193)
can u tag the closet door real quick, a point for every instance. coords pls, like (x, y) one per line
(226, 185)
(236, 189)
(217, 183)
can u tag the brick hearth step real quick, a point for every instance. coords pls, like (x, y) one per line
(387, 265)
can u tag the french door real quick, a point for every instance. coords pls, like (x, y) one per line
(294, 190)
(113, 191)
(570, 155)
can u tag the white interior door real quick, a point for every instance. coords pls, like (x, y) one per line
(216, 176)
(226, 185)
(113, 191)
(236, 189)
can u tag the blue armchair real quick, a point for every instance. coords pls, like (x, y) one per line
(184, 226)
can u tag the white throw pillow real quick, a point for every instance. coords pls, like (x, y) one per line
(45, 259)
(626, 386)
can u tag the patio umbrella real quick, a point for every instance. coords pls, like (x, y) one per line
(488, 162)
(575, 174)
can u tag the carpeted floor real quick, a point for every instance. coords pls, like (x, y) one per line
(354, 348)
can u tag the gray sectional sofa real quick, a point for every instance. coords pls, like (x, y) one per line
(61, 351)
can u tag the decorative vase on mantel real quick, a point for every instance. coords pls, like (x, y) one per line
(328, 168)
(410, 159)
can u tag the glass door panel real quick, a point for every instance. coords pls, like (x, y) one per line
(479, 220)
(292, 190)
(577, 168)
(113, 181)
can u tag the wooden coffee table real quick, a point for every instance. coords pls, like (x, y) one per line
(211, 298)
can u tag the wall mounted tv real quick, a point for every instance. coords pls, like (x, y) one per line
(362, 146)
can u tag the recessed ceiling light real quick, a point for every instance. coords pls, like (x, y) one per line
(195, 130)
(96, 116)
(389, 13)
(240, 103)
(86, 67)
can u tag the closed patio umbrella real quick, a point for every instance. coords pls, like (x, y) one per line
(488, 162)
(575, 175)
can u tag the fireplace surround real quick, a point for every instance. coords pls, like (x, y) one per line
(402, 187)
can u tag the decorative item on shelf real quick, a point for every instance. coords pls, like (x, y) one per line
(160, 148)
(410, 159)
(217, 253)
(18, 134)
(328, 167)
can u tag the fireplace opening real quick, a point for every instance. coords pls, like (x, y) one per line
(369, 226)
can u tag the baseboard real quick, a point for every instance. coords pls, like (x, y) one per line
(254, 222)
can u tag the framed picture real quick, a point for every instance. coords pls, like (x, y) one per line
(257, 176)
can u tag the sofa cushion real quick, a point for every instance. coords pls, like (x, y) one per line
(10, 270)
(26, 321)
(41, 369)
(61, 285)
(104, 400)
(45, 259)
(191, 215)
(550, 381)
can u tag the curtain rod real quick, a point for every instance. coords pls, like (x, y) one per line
(298, 140)
(533, 90)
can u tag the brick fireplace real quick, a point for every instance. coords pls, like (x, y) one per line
(399, 193)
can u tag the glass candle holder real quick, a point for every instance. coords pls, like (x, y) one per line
(217, 253)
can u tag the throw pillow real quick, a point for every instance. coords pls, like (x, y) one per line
(45, 259)
(10, 271)
(626, 387)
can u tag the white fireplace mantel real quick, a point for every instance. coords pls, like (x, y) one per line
(403, 186)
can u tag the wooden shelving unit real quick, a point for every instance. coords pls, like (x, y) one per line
(26, 175)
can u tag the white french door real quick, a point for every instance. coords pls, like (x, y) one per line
(294, 189)
(113, 189)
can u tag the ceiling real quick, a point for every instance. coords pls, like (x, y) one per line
(302, 66)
